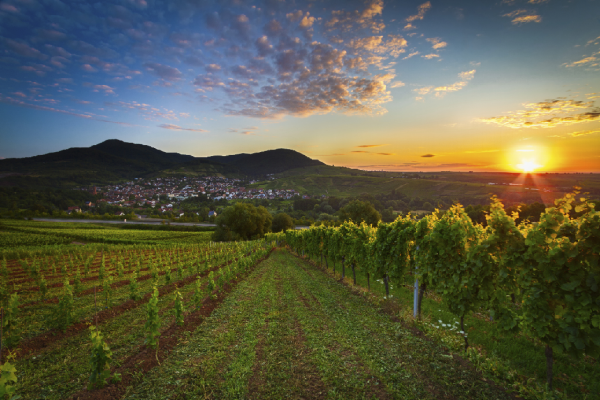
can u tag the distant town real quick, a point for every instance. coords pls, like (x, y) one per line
(168, 193)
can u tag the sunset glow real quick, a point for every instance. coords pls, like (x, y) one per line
(528, 166)
(378, 85)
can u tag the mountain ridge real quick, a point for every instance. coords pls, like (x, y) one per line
(114, 160)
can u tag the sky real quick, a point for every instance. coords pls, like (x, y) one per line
(501, 85)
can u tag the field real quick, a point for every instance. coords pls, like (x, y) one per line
(344, 182)
(287, 330)
(29, 235)
(258, 323)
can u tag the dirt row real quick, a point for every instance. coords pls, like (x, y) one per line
(36, 344)
(391, 310)
(148, 358)
(94, 266)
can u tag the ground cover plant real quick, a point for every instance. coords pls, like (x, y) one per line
(15, 234)
(56, 364)
(228, 320)
(538, 282)
(290, 331)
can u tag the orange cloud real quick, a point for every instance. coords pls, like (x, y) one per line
(520, 19)
(179, 128)
(548, 114)
(583, 133)
(420, 12)
(437, 43)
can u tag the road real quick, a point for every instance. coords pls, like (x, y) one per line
(137, 221)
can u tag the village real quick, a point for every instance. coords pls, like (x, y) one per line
(166, 194)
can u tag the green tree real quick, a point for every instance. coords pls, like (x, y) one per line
(388, 215)
(282, 222)
(242, 221)
(360, 211)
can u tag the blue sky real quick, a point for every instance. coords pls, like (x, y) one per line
(406, 85)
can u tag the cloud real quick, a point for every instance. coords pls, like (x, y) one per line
(518, 18)
(359, 151)
(20, 94)
(107, 89)
(347, 21)
(16, 102)
(372, 145)
(583, 133)
(428, 155)
(8, 8)
(590, 61)
(548, 114)
(213, 67)
(430, 56)
(49, 35)
(88, 68)
(423, 91)
(397, 84)
(179, 128)
(411, 55)
(481, 151)
(465, 77)
(164, 71)
(420, 12)
(437, 43)
(385, 154)
(526, 18)
(24, 50)
(150, 112)
(592, 41)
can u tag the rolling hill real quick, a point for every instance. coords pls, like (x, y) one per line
(267, 162)
(114, 160)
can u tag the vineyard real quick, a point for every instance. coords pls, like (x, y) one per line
(18, 236)
(538, 280)
(500, 312)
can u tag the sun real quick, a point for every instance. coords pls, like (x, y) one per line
(528, 166)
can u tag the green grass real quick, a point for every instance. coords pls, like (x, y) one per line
(26, 233)
(290, 331)
(579, 378)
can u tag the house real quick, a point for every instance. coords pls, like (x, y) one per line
(212, 214)
(119, 213)
(73, 209)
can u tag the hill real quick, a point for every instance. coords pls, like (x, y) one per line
(114, 160)
(267, 162)
(108, 161)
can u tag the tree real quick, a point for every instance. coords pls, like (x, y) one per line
(282, 222)
(359, 211)
(242, 221)
(387, 215)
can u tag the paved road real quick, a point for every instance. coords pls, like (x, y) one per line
(137, 221)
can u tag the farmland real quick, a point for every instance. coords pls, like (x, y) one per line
(18, 236)
(287, 330)
(255, 321)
